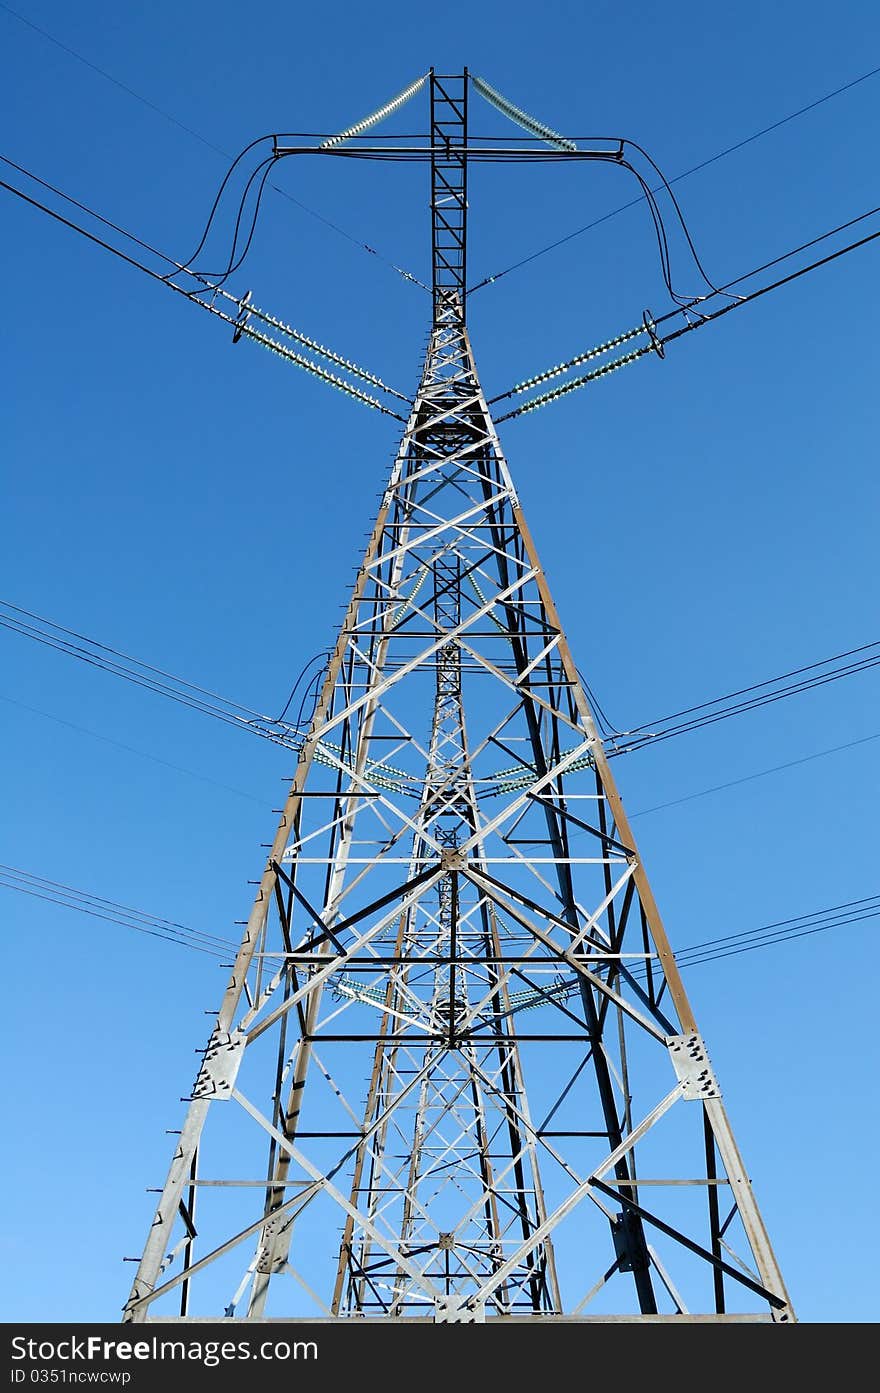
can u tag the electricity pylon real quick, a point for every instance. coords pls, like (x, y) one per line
(455, 1074)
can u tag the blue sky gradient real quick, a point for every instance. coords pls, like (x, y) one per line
(706, 522)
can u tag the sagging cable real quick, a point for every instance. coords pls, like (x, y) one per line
(360, 126)
(245, 310)
(521, 118)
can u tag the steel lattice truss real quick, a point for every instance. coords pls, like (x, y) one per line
(455, 1074)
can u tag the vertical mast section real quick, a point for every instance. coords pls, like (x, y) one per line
(465, 1134)
(449, 190)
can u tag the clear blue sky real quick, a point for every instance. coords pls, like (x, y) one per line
(706, 522)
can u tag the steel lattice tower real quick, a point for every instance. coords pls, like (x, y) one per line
(455, 1074)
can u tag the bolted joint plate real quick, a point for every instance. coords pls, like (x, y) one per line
(691, 1063)
(268, 1260)
(451, 859)
(216, 1078)
(459, 1310)
(628, 1243)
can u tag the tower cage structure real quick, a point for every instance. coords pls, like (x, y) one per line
(455, 1074)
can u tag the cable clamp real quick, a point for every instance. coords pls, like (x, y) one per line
(244, 315)
(651, 330)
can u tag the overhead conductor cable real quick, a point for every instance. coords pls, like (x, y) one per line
(239, 324)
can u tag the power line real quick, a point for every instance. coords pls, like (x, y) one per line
(228, 788)
(132, 750)
(774, 285)
(163, 683)
(238, 321)
(644, 330)
(205, 286)
(241, 326)
(219, 708)
(782, 931)
(118, 664)
(749, 778)
(709, 950)
(209, 144)
(704, 164)
(98, 907)
(757, 695)
(614, 154)
(775, 261)
(750, 940)
(658, 344)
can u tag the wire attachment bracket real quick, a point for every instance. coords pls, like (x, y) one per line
(244, 315)
(651, 330)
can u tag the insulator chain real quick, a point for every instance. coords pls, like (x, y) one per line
(518, 776)
(377, 116)
(247, 310)
(363, 373)
(521, 118)
(655, 345)
(381, 775)
(575, 362)
(410, 598)
(317, 371)
(241, 326)
(483, 601)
